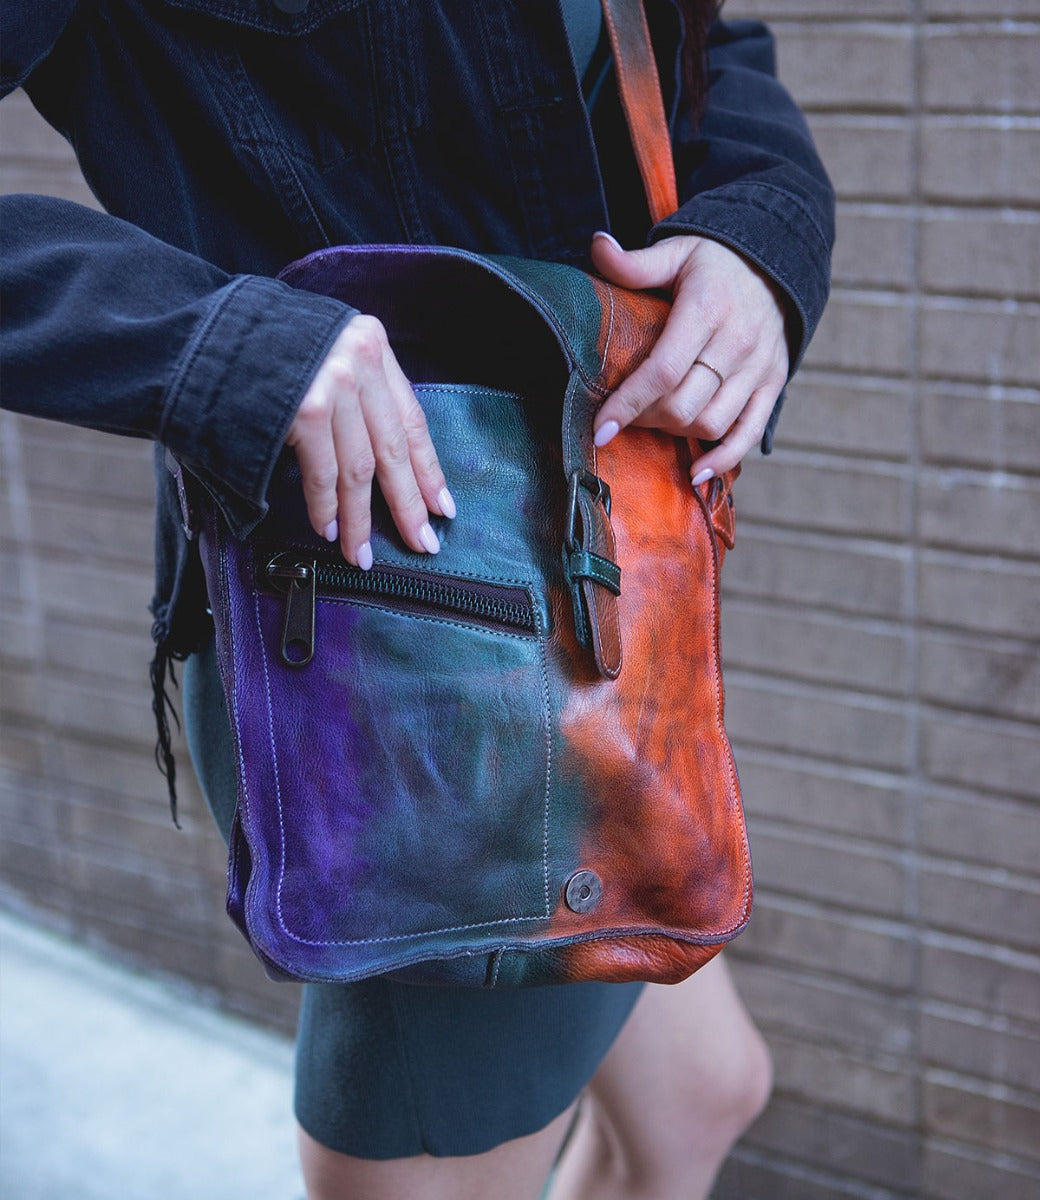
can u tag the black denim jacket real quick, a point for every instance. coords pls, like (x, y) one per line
(229, 137)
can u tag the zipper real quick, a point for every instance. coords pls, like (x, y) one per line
(302, 577)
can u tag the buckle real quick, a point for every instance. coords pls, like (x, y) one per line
(597, 488)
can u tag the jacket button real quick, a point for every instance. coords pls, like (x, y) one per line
(583, 892)
(291, 7)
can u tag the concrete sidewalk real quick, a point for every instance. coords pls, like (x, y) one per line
(114, 1086)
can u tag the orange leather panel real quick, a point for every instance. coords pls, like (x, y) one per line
(668, 841)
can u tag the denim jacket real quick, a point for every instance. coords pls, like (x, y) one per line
(225, 138)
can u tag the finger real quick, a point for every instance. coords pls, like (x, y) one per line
(722, 411)
(754, 376)
(744, 434)
(425, 464)
(649, 267)
(356, 468)
(311, 437)
(685, 334)
(683, 412)
(389, 441)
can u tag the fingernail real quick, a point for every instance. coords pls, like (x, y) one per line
(429, 538)
(364, 556)
(332, 531)
(602, 233)
(446, 501)
(702, 476)
(605, 432)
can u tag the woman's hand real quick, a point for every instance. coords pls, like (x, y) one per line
(720, 362)
(360, 420)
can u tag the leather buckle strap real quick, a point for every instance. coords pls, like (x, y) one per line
(593, 575)
(583, 564)
(640, 89)
(597, 488)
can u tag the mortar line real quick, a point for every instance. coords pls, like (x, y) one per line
(916, 781)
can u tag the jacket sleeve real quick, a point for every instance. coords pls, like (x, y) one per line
(105, 326)
(749, 175)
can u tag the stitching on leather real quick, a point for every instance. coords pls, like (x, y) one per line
(472, 389)
(716, 679)
(424, 933)
(610, 331)
(548, 775)
(234, 707)
(611, 614)
(274, 762)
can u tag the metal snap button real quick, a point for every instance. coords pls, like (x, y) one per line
(583, 892)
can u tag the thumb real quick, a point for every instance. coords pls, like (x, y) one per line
(653, 267)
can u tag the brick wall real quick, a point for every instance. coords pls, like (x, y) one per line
(881, 627)
(881, 632)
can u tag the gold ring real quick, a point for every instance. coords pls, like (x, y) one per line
(699, 362)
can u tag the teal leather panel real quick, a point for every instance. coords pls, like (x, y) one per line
(449, 771)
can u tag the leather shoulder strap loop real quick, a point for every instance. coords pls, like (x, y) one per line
(640, 88)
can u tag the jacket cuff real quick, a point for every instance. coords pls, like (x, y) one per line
(778, 233)
(238, 385)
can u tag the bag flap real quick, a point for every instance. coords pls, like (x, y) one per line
(494, 320)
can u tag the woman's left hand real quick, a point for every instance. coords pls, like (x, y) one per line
(721, 361)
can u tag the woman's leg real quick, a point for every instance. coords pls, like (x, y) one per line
(687, 1075)
(516, 1170)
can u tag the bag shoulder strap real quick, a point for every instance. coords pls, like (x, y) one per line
(640, 88)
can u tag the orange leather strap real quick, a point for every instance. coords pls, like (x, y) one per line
(640, 88)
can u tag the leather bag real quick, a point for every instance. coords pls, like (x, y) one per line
(504, 764)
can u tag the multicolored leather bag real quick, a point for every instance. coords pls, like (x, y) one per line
(504, 764)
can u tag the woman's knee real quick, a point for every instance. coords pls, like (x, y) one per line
(722, 1105)
(751, 1081)
(682, 1151)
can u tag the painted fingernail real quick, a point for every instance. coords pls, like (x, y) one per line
(609, 237)
(446, 501)
(429, 538)
(332, 531)
(606, 431)
(364, 556)
(702, 476)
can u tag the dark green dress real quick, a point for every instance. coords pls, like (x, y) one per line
(388, 1070)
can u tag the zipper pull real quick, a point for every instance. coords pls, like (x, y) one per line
(299, 582)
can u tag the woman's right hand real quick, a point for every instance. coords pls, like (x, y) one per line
(360, 420)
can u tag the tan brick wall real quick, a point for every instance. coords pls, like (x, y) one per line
(881, 631)
(882, 628)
